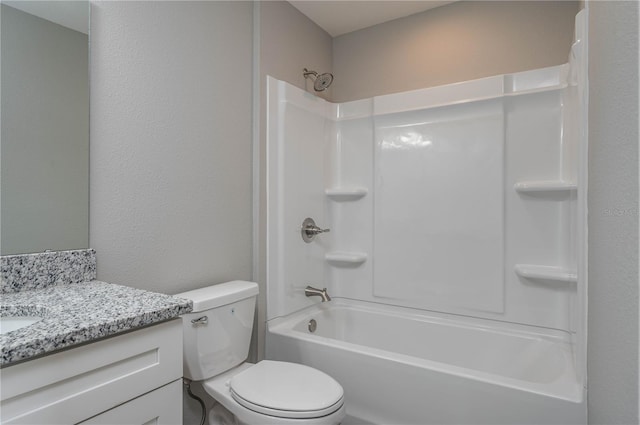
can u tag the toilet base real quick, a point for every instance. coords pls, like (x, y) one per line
(220, 415)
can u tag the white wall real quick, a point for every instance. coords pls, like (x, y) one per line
(171, 156)
(456, 42)
(613, 213)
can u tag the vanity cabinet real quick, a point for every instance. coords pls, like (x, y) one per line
(157, 407)
(131, 378)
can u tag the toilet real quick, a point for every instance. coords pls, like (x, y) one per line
(216, 341)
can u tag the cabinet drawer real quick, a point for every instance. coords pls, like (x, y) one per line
(76, 384)
(159, 407)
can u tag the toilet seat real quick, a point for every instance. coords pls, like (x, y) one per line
(286, 390)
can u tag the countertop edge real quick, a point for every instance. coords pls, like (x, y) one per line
(125, 309)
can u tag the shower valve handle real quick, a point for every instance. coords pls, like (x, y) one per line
(315, 230)
(310, 230)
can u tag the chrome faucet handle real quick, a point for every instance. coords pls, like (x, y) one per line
(315, 230)
(309, 230)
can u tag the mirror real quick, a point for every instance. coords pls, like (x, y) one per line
(44, 149)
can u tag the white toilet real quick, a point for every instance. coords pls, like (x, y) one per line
(216, 344)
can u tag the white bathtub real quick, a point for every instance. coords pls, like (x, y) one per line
(401, 366)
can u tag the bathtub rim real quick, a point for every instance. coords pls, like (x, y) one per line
(566, 387)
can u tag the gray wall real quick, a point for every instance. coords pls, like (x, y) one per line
(288, 42)
(171, 143)
(45, 135)
(171, 158)
(452, 43)
(613, 213)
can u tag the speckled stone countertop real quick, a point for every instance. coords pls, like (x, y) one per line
(80, 312)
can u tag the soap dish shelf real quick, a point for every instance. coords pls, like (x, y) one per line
(346, 194)
(345, 259)
(549, 273)
(545, 186)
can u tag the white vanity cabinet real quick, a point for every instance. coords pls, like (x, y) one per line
(133, 378)
(157, 407)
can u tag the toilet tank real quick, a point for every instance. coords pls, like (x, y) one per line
(217, 333)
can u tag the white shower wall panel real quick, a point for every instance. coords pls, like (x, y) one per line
(352, 222)
(438, 207)
(539, 228)
(297, 157)
(442, 232)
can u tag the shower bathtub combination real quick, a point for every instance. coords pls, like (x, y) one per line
(456, 260)
(402, 367)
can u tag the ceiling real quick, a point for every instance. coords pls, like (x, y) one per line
(336, 17)
(341, 17)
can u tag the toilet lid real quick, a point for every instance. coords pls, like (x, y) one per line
(286, 390)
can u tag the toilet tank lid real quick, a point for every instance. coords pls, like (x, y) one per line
(219, 295)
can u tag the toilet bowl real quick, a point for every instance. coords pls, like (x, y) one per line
(216, 344)
(265, 406)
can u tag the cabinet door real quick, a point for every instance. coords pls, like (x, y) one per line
(160, 407)
(76, 384)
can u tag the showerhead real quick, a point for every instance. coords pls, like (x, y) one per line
(320, 82)
(323, 81)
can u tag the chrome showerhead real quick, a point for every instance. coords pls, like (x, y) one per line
(323, 81)
(320, 82)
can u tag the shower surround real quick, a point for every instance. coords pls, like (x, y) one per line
(457, 213)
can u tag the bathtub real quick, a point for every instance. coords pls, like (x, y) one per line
(402, 366)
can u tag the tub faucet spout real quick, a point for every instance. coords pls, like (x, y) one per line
(310, 291)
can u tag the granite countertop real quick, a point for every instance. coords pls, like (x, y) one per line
(80, 312)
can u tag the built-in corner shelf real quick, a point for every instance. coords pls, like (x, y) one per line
(345, 259)
(544, 186)
(553, 273)
(346, 193)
